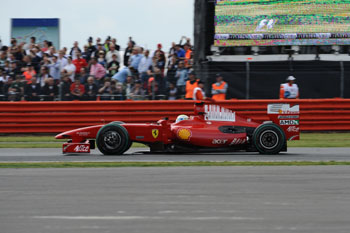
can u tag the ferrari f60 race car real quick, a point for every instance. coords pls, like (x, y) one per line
(211, 128)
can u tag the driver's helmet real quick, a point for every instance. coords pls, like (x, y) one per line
(181, 118)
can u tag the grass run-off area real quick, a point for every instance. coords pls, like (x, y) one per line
(164, 164)
(307, 140)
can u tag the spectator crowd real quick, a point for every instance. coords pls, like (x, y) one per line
(98, 70)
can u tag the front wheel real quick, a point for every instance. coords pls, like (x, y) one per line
(113, 139)
(269, 139)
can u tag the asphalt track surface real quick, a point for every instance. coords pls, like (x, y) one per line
(140, 154)
(312, 199)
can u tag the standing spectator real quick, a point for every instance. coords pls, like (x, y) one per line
(98, 41)
(50, 90)
(219, 88)
(135, 61)
(54, 69)
(289, 90)
(3, 80)
(79, 62)
(65, 88)
(127, 53)
(172, 92)
(69, 69)
(159, 50)
(172, 67)
(188, 54)
(77, 90)
(107, 43)
(113, 66)
(181, 76)
(46, 46)
(122, 75)
(74, 50)
(198, 92)
(144, 66)
(43, 75)
(191, 84)
(32, 90)
(112, 51)
(98, 51)
(62, 60)
(35, 59)
(97, 70)
(172, 50)
(29, 73)
(180, 52)
(114, 41)
(90, 48)
(86, 54)
(2, 59)
(137, 92)
(161, 61)
(91, 89)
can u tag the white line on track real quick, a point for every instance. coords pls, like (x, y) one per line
(186, 218)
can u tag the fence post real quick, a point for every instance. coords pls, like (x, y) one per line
(247, 80)
(341, 79)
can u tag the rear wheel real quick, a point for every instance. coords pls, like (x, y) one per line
(113, 139)
(269, 139)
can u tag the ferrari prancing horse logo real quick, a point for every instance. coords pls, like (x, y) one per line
(155, 133)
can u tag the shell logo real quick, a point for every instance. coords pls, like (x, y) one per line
(184, 134)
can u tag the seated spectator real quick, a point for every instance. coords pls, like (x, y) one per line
(113, 66)
(69, 69)
(84, 75)
(102, 59)
(50, 90)
(77, 90)
(137, 92)
(129, 84)
(43, 75)
(32, 90)
(65, 88)
(97, 70)
(16, 90)
(172, 92)
(6, 87)
(29, 73)
(106, 90)
(91, 89)
(119, 92)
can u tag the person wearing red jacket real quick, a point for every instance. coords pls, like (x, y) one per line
(79, 63)
(77, 90)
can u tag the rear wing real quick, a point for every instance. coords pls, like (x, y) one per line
(287, 117)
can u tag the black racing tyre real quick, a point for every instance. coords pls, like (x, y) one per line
(113, 139)
(269, 138)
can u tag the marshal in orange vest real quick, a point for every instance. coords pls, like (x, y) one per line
(219, 91)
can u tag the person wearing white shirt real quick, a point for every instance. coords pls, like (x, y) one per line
(110, 53)
(70, 69)
(144, 66)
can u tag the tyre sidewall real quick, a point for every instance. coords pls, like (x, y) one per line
(269, 127)
(124, 136)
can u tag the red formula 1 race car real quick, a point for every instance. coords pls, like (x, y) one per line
(211, 128)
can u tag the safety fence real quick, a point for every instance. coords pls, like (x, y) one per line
(55, 117)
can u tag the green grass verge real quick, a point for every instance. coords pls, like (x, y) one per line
(163, 164)
(307, 140)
